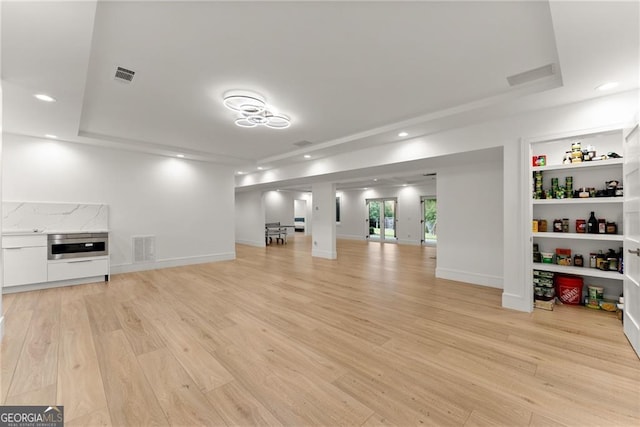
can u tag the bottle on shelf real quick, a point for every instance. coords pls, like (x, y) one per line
(592, 224)
(620, 261)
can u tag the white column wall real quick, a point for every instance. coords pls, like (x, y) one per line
(250, 214)
(470, 223)
(324, 220)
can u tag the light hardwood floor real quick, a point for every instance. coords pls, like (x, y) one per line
(279, 338)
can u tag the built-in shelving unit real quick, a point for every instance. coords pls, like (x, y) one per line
(590, 174)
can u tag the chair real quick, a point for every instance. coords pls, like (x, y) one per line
(273, 229)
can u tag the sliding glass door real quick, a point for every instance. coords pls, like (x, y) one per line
(382, 219)
(430, 220)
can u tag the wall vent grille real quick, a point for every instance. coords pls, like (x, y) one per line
(144, 249)
(124, 75)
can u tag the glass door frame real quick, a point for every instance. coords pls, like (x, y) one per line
(423, 221)
(382, 237)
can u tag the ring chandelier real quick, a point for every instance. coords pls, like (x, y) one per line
(254, 111)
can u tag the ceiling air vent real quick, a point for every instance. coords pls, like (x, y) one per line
(531, 75)
(302, 143)
(124, 75)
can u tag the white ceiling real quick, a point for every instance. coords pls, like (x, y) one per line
(349, 74)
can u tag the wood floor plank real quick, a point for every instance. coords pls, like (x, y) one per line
(101, 312)
(238, 407)
(40, 396)
(7, 300)
(79, 385)
(12, 345)
(201, 365)
(38, 364)
(98, 418)
(482, 418)
(142, 335)
(179, 397)
(131, 399)
(278, 337)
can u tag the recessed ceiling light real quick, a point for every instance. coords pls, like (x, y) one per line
(404, 185)
(375, 179)
(365, 188)
(260, 168)
(307, 156)
(45, 98)
(607, 86)
(403, 134)
(240, 173)
(180, 155)
(51, 136)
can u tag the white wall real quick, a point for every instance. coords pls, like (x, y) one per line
(250, 215)
(279, 207)
(470, 223)
(185, 204)
(354, 211)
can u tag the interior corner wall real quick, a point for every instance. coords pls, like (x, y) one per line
(470, 223)
(187, 205)
(250, 215)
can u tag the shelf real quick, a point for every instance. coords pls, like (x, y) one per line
(586, 200)
(591, 164)
(581, 271)
(581, 236)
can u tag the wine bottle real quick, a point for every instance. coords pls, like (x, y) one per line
(592, 224)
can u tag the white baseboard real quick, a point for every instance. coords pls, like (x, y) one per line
(517, 302)
(469, 277)
(56, 284)
(260, 243)
(324, 254)
(172, 262)
(350, 237)
(1, 328)
(409, 242)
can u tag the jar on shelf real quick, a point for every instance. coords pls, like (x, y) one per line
(557, 226)
(578, 260)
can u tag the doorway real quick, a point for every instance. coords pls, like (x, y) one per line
(430, 220)
(381, 219)
(300, 215)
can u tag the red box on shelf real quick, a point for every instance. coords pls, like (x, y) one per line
(540, 160)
